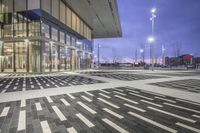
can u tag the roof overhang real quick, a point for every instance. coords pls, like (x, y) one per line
(101, 15)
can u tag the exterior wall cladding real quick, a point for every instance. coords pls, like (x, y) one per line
(43, 36)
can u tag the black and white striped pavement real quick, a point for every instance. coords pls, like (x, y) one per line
(191, 85)
(121, 109)
(126, 77)
(13, 84)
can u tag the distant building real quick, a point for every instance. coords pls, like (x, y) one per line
(186, 59)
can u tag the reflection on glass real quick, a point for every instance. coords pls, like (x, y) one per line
(21, 56)
(62, 58)
(46, 57)
(34, 56)
(8, 57)
(54, 55)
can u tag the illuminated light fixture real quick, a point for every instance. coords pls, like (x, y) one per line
(79, 42)
(153, 10)
(151, 39)
(26, 40)
(141, 50)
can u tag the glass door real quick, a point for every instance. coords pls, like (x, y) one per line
(8, 57)
(21, 56)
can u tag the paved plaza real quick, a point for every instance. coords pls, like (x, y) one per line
(88, 101)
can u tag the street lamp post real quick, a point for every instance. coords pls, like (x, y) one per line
(152, 19)
(142, 54)
(163, 54)
(98, 54)
(151, 40)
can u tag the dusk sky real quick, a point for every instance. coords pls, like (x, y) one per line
(176, 21)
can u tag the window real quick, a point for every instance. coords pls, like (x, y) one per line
(54, 34)
(34, 28)
(45, 30)
(55, 8)
(33, 4)
(73, 42)
(69, 17)
(46, 5)
(20, 5)
(62, 37)
(62, 12)
(68, 40)
(8, 6)
(73, 21)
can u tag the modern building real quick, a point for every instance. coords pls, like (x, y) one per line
(53, 35)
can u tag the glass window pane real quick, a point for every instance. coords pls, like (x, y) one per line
(55, 8)
(45, 30)
(62, 37)
(54, 34)
(69, 17)
(7, 6)
(46, 5)
(73, 42)
(68, 40)
(62, 12)
(8, 57)
(20, 5)
(33, 4)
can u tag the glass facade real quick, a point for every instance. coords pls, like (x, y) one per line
(30, 42)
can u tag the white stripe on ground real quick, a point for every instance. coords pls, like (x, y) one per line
(126, 99)
(153, 122)
(72, 97)
(59, 113)
(85, 120)
(23, 103)
(115, 126)
(171, 114)
(197, 116)
(188, 102)
(158, 105)
(111, 104)
(105, 91)
(89, 93)
(5, 111)
(22, 121)
(140, 96)
(104, 95)
(87, 99)
(188, 127)
(164, 99)
(180, 107)
(49, 99)
(118, 89)
(133, 107)
(87, 108)
(38, 106)
(132, 91)
(119, 93)
(153, 93)
(45, 127)
(65, 102)
(71, 130)
(113, 113)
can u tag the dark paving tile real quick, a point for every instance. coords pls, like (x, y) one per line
(192, 85)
